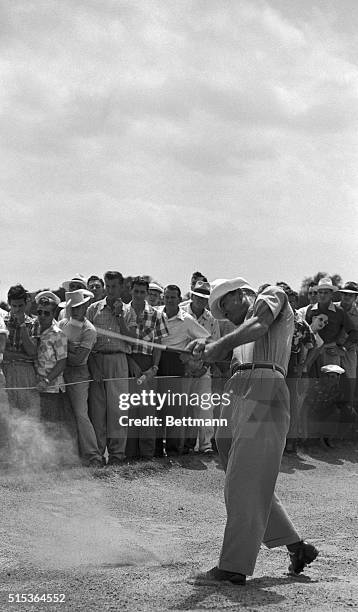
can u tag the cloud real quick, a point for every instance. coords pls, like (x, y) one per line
(131, 126)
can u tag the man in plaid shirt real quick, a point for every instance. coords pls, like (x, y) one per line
(109, 368)
(20, 353)
(144, 360)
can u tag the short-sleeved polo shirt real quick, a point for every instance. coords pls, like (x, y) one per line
(182, 329)
(275, 346)
(79, 333)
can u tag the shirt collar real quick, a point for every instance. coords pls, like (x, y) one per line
(180, 314)
(147, 307)
(102, 303)
(52, 327)
(76, 323)
(330, 307)
(204, 314)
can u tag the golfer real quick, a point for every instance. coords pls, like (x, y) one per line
(251, 447)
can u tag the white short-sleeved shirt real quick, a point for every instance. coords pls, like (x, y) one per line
(79, 333)
(275, 346)
(182, 329)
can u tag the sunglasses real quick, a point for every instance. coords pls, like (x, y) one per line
(312, 293)
(46, 313)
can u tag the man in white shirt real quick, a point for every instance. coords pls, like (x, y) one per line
(197, 308)
(182, 328)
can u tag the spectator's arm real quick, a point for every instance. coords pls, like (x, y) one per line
(57, 369)
(352, 337)
(78, 355)
(2, 342)
(30, 345)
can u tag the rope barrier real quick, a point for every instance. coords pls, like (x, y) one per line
(80, 382)
(130, 340)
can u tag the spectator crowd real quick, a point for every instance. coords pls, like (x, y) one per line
(68, 355)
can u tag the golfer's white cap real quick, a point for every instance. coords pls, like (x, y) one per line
(222, 286)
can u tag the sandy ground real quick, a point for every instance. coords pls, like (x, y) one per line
(132, 538)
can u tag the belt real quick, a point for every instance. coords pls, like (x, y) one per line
(253, 366)
(18, 362)
(108, 352)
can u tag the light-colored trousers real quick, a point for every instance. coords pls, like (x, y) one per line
(250, 449)
(201, 386)
(104, 409)
(78, 396)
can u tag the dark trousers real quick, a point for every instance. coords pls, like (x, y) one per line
(141, 440)
(171, 365)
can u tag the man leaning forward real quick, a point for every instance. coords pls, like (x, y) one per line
(251, 446)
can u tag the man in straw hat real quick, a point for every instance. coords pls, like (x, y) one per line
(81, 336)
(252, 444)
(76, 282)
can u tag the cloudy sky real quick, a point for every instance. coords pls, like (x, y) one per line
(161, 137)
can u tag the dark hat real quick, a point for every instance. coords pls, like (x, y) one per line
(47, 297)
(349, 287)
(201, 289)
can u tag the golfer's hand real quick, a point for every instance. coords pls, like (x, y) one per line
(196, 347)
(214, 352)
(205, 352)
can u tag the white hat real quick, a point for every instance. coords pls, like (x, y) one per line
(78, 297)
(201, 289)
(155, 287)
(46, 297)
(79, 278)
(326, 283)
(222, 286)
(332, 369)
